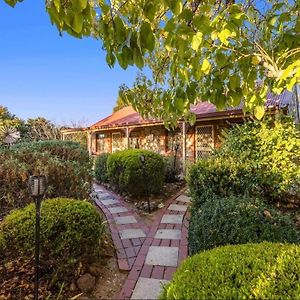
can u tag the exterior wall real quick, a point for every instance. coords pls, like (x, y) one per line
(160, 140)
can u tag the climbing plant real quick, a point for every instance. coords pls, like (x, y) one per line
(221, 50)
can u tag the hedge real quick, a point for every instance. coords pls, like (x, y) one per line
(101, 168)
(68, 173)
(70, 232)
(65, 150)
(238, 220)
(126, 174)
(251, 271)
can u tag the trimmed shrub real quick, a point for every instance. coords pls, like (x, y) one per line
(101, 168)
(221, 177)
(70, 233)
(126, 174)
(68, 174)
(236, 220)
(251, 271)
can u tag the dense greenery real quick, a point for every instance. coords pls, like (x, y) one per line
(70, 233)
(66, 166)
(256, 158)
(272, 148)
(238, 220)
(251, 271)
(101, 168)
(211, 50)
(127, 175)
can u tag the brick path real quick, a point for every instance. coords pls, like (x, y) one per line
(127, 229)
(154, 256)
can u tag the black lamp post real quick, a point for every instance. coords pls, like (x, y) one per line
(143, 160)
(37, 189)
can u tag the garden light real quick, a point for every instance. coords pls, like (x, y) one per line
(37, 189)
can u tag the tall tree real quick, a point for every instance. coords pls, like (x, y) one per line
(215, 50)
(119, 104)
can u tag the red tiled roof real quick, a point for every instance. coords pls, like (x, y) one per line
(128, 116)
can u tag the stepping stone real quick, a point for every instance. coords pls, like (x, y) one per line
(132, 234)
(184, 198)
(118, 209)
(109, 201)
(125, 220)
(148, 288)
(168, 234)
(162, 256)
(177, 207)
(104, 196)
(172, 219)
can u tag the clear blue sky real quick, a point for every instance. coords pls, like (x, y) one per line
(42, 74)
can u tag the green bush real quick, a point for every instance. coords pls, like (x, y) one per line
(67, 174)
(272, 148)
(251, 271)
(126, 174)
(65, 150)
(238, 220)
(101, 168)
(70, 232)
(221, 177)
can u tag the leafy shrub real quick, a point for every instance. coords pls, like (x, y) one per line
(236, 220)
(68, 174)
(70, 232)
(101, 168)
(172, 168)
(272, 148)
(126, 174)
(221, 177)
(65, 150)
(251, 271)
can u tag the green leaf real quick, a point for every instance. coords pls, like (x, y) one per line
(202, 23)
(259, 112)
(77, 23)
(138, 58)
(221, 59)
(110, 59)
(224, 35)
(234, 82)
(176, 7)
(255, 59)
(11, 3)
(147, 38)
(196, 41)
(206, 66)
(179, 104)
(79, 5)
(149, 10)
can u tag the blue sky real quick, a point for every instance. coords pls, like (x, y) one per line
(61, 78)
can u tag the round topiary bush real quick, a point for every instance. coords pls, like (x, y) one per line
(70, 232)
(251, 271)
(127, 175)
(235, 220)
(101, 168)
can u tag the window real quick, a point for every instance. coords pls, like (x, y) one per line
(117, 142)
(204, 141)
(100, 142)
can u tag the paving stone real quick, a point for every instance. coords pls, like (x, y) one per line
(104, 196)
(125, 220)
(169, 234)
(172, 219)
(184, 198)
(148, 288)
(132, 234)
(109, 201)
(118, 209)
(162, 256)
(177, 207)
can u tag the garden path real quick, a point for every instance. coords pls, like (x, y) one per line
(152, 255)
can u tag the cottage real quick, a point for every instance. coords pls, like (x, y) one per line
(127, 129)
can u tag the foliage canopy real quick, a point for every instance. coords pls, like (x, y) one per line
(210, 50)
